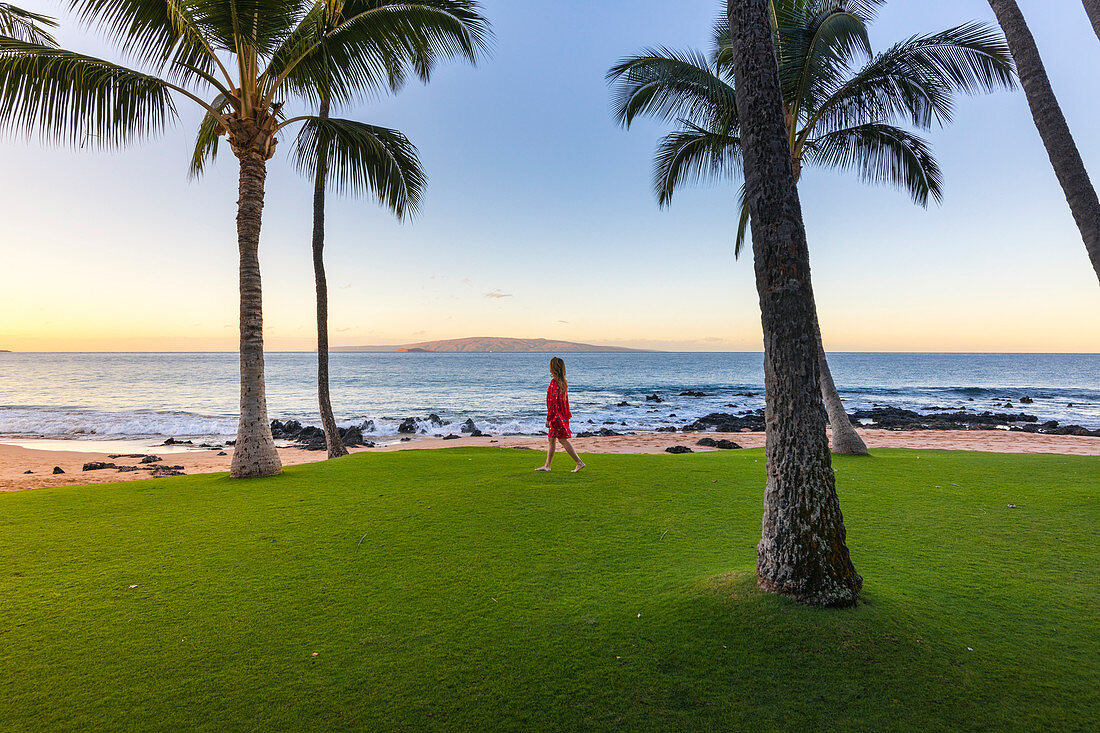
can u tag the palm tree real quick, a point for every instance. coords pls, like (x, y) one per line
(803, 551)
(385, 163)
(240, 61)
(1092, 7)
(840, 101)
(24, 25)
(1052, 125)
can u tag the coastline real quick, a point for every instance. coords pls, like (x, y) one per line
(16, 459)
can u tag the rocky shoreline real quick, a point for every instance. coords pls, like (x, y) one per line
(878, 417)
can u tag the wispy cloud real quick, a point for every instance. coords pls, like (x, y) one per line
(497, 294)
(563, 321)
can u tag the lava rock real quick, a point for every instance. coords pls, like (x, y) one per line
(669, 429)
(57, 470)
(726, 444)
(653, 398)
(468, 426)
(97, 466)
(707, 442)
(127, 469)
(435, 420)
(678, 449)
(452, 436)
(367, 426)
(1025, 400)
(693, 393)
(624, 403)
(751, 420)
(407, 426)
(26, 472)
(150, 459)
(173, 441)
(352, 436)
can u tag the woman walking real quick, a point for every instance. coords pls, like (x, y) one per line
(558, 414)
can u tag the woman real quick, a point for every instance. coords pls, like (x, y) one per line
(558, 414)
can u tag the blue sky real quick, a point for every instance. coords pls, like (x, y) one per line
(539, 220)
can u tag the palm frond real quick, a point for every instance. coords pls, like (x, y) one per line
(362, 159)
(881, 154)
(670, 85)
(24, 25)
(244, 27)
(206, 142)
(815, 48)
(68, 97)
(162, 33)
(916, 79)
(693, 155)
(373, 45)
(742, 221)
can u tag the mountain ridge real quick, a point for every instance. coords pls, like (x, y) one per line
(491, 344)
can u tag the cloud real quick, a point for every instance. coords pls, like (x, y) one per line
(563, 321)
(497, 294)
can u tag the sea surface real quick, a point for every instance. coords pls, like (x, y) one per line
(97, 396)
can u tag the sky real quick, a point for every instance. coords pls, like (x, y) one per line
(539, 220)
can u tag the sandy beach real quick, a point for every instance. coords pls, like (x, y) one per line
(16, 460)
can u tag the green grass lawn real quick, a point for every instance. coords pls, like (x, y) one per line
(458, 589)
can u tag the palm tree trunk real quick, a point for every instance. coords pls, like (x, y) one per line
(845, 438)
(254, 453)
(1052, 126)
(802, 552)
(1092, 7)
(328, 422)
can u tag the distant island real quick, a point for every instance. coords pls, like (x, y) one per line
(489, 344)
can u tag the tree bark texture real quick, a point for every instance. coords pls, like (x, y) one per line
(332, 434)
(1051, 123)
(846, 440)
(802, 552)
(254, 453)
(1092, 7)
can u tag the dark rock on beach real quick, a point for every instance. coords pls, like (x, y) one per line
(468, 426)
(722, 422)
(601, 433)
(173, 441)
(222, 453)
(25, 472)
(452, 436)
(678, 449)
(57, 470)
(669, 429)
(706, 442)
(726, 444)
(97, 466)
(150, 459)
(896, 418)
(407, 426)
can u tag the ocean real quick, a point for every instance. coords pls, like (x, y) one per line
(112, 396)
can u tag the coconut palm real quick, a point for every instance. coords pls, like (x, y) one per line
(240, 61)
(385, 164)
(843, 105)
(1064, 156)
(25, 25)
(803, 551)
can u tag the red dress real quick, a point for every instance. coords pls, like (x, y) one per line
(557, 411)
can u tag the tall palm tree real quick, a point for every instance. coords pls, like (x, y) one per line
(25, 25)
(841, 104)
(386, 164)
(1052, 125)
(241, 61)
(803, 551)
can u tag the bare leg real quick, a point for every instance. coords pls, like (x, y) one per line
(572, 454)
(549, 456)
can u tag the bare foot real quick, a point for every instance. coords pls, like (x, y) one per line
(543, 468)
(579, 467)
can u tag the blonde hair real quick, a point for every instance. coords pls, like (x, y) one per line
(557, 371)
